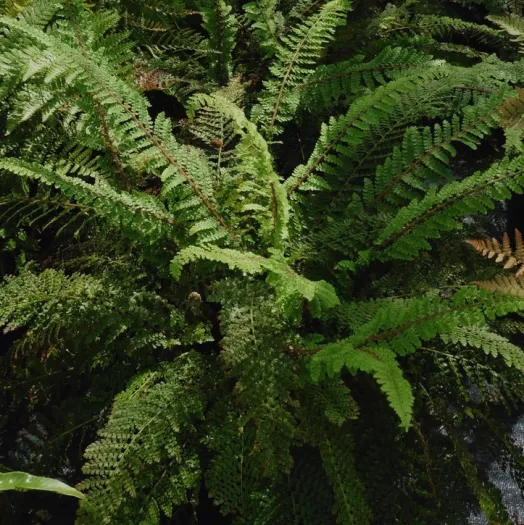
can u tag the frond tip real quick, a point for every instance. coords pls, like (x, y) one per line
(504, 255)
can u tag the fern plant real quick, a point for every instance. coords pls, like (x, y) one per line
(243, 284)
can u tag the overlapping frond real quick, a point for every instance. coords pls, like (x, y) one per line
(295, 59)
(272, 363)
(489, 342)
(289, 285)
(333, 83)
(257, 185)
(134, 139)
(141, 215)
(221, 25)
(423, 159)
(513, 25)
(266, 23)
(441, 210)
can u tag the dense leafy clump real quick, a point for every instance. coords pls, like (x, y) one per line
(234, 271)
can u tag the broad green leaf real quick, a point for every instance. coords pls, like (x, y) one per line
(23, 481)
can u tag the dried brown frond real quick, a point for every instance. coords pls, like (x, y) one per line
(503, 254)
(152, 80)
(504, 284)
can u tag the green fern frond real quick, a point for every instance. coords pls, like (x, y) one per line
(295, 58)
(341, 136)
(338, 458)
(12, 7)
(333, 398)
(349, 142)
(221, 26)
(39, 13)
(250, 326)
(489, 496)
(380, 362)
(310, 494)
(260, 189)
(513, 25)
(43, 293)
(134, 140)
(63, 313)
(400, 327)
(289, 285)
(439, 26)
(142, 466)
(233, 479)
(45, 211)
(334, 82)
(266, 23)
(489, 342)
(440, 211)
(141, 215)
(424, 156)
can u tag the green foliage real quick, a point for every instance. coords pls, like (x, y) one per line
(23, 481)
(491, 343)
(220, 25)
(512, 24)
(232, 257)
(288, 284)
(342, 80)
(295, 58)
(266, 22)
(140, 467)
(350, 504)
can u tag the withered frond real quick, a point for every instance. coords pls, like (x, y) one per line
(504, 284)
(503, 253)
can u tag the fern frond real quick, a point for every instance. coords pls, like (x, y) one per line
(489, 342)
(512, 121)
(44, 210)
(133, 134)
(380, 362)
(504, 253)
(288, 284)
(62, 313)
(295, 58)
(334, 82)
(233, 478)
(511, 24)
(489, 496)
(266, 23)
(424, 156)
(250, 328)
(440, 210)
(142, 465)
(439, 26)
(338, 458)
(39, 13)
(400, 327)
(503, 284)
(221, 26)
(341, 136)
(43, 293)
(310, 492)
(260, 189)
(142, 214)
